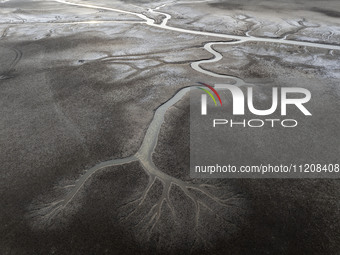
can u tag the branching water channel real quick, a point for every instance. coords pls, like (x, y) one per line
(47, 212)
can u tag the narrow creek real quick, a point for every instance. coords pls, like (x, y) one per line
(149, 143)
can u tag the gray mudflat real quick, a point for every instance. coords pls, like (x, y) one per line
(88, 168)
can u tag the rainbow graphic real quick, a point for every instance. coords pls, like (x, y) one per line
(209, 93)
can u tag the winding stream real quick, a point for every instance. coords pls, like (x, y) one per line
(164, 25)
(144, 154)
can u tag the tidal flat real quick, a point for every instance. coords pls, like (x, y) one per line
(94, 126)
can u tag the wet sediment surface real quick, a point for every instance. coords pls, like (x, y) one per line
(95, 133)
